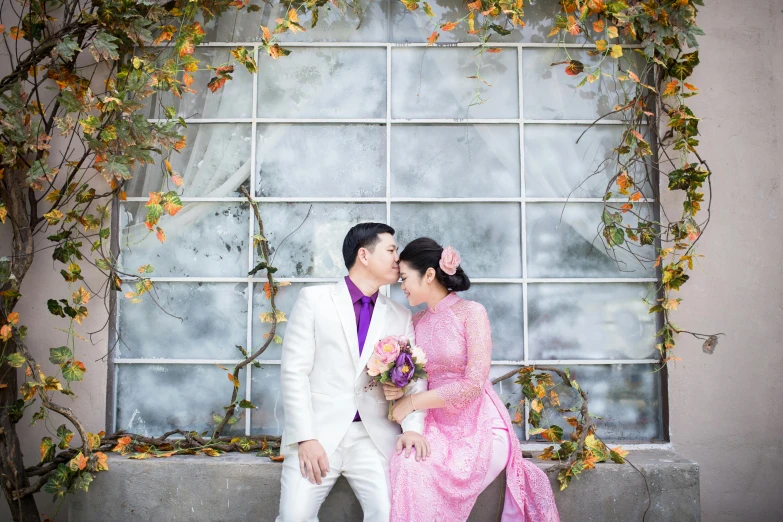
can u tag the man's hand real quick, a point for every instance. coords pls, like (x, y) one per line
(392, 392)
(313, 462)
(413, 442)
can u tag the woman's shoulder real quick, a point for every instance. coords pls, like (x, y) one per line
(468, 306)
(417, 317)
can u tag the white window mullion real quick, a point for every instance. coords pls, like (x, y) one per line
(387, 288)
(523, 213)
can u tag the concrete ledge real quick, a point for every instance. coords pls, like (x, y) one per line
(245, 487)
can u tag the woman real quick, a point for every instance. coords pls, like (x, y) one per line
(467, 426)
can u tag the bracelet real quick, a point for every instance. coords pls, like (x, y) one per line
(412, 404)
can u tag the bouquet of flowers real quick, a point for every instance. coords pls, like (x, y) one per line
(395, 360)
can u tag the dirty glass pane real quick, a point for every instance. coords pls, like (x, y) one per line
(487, 235)
(284, 301)
(551, 94)
(203, 239)
(269, 418)
(556, 166)
(314, 248)
(330, 160)
(323, 83)
(215, 162)
(627, 396)
(509, 392)
(563, 241)
(455, 161)
(155, 398)
(590, 321)
(504, 308)
(332, 26)
(432, 83)
(197, 321)
(233, 100)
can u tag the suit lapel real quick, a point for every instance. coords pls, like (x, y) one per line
(344, 305)
(373, 334)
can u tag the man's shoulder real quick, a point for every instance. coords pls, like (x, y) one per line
(395, 306)
(316, 291)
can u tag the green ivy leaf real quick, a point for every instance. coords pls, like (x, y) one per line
(16, 360)
(60, 355)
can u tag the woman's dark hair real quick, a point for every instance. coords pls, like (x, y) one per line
(363, 235)
(423, 253)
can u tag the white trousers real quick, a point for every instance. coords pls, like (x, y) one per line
(359, 461)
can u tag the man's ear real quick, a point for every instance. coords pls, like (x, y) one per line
(362, 256)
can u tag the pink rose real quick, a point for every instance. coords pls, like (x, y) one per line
(376, 367)
(418, 355)
(387, 350)
(449, 261)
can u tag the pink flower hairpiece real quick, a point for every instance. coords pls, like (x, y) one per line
(449, 260)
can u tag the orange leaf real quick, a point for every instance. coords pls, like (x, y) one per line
(690, 87)
(633, 76)
(16, 33)
(6, 332)
(265, 32)
(433, 38)
(671, 88)
(448, 26)
(572, 421)
(636, 196)
(177, 179)
(160, 234)
(626, 207)
(188, 78)
(599, 26)
(624, 182)
(494, 50)
(101, 463)
(276, 458)
(13, 318)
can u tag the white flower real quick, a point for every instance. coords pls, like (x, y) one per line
(418, 355)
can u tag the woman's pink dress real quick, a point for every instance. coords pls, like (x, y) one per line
(444, 487)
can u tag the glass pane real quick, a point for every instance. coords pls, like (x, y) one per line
(487, 235)
(233, 100)
(626, 396)
(323, 83)
(203, 239)
(563, 241)
(155, 398)
(284, 300)
(509, 392)
(330, 160)
(590, 321)
(455, 160)
(201, 321)
(557, 166)
(314, 246)
(415, 26)
(333, 26)
(504, 307)
(268, 418)
(550, 94)
(432, 83)
(215, 163)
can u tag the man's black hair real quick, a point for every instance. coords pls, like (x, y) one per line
(363, 235)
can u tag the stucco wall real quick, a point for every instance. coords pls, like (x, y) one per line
(725, 408)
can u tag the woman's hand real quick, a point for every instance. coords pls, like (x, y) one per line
(402, 409)
(392, 393)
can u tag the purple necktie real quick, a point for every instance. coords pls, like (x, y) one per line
(364, 321)
(364, 325)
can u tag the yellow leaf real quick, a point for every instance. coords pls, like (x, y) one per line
(611, 32)
(292, 15)
(53, 216)
(547, 453)
(601, 45)
(616, 51)
(209, 451)
(3, 212)
(81, 296)
(537, 406)
(553, 32)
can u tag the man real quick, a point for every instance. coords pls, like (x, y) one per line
(333, 425)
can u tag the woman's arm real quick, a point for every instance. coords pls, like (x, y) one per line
(458, 393)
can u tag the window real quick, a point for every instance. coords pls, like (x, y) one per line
(371, 124)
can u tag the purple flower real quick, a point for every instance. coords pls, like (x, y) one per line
(402, 373)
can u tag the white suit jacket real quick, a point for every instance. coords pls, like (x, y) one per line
(323, 379)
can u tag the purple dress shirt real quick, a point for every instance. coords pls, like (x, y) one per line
(361, 327)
